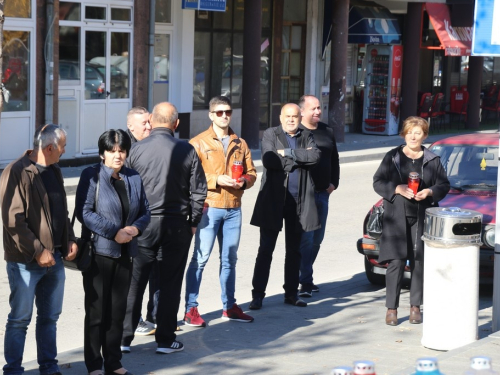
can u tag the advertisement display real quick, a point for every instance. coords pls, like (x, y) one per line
(383, 89)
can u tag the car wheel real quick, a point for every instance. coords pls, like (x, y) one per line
(373, 277)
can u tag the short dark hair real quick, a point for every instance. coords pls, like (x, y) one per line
(114, 137)
(303, 98)
(218, 100)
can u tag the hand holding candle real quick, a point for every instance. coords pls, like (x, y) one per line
(413, 182)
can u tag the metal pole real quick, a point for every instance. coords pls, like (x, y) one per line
(49, 64)
(151, 58)
(474, 87)
(338, 68)
(250, 106)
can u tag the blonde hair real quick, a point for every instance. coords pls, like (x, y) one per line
(412, 122)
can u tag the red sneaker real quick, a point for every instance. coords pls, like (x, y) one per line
(235, 313)
(193, 318)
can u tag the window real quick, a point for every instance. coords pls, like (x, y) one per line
(69, 53)
(121, 14)
(163, 11)
(69, 11)
(95, 13)
(218, 55)
(18, 8)
(16, 70)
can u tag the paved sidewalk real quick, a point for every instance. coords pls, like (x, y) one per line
(344, 322)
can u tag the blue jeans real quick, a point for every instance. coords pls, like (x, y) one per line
(45, 285)
(225, 224)
(311, 241)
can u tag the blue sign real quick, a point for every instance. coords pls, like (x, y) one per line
(211, 5)
(486, 35)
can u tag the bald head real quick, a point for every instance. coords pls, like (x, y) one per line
(290, 118)
(165, 115)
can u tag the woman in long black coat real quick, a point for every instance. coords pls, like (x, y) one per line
(404, 213)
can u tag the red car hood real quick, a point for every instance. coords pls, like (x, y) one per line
(482, 201)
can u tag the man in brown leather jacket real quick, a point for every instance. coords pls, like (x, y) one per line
(219, 149)
(36, 236)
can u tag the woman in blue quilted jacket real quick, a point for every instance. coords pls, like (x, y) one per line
(111, 205)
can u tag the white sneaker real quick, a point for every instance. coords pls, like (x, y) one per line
(145, 328)
(176, 346)
(125, 349)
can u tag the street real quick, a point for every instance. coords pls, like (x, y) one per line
(352, 306)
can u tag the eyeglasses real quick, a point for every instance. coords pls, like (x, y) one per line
(229, 112)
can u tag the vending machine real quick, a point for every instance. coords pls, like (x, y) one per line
(383, 89)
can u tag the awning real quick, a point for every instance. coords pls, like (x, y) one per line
(456, 41)
(368, 23)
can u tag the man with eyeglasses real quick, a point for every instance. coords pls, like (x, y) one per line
(36, 236)
(219, 148)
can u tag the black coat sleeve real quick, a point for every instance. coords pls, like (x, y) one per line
(198, 188)
(383, 181)
(309, 155)
(334, 163)
(270, 157)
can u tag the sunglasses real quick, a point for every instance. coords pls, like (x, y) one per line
(229, 112)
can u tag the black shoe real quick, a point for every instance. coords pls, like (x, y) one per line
(256, 304)
(306, 291)
(315, 288)
(175, 346)
(296, 301)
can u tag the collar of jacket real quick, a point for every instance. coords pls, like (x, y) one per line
(161, 130)
(296, 134)
(231, 133)
(107, 172)
(28, 165)
(132, 138)
(428, 154)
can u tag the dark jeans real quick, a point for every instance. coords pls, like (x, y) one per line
(293, 234)
(106, 287)
(166, 240)
(395, 271)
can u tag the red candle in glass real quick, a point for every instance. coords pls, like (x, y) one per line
(237, 169)
(413, 181)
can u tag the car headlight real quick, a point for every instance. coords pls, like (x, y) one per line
(489, 236)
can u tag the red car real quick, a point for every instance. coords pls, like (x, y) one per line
(471, 163)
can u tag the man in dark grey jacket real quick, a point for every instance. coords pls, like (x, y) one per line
(176, 189)
(286, 193)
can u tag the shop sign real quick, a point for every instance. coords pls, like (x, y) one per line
(210, 5)
(486, 35)
(456, 41)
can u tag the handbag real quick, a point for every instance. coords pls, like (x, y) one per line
(86, 248)
(374, 225)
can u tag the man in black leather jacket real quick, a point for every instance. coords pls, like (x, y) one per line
(176, 188)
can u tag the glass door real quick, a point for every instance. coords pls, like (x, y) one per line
(106, 71)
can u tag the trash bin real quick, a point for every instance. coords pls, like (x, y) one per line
(452, 237)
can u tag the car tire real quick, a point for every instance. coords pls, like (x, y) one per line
(373, 277)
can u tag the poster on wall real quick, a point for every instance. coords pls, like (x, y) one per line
(209, 5)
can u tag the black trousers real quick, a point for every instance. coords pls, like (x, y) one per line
(154, 292)
(166, 241)
(395, 271)
(106, 286)
(293, 235)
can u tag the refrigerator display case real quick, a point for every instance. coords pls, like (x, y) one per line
(383, 89)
